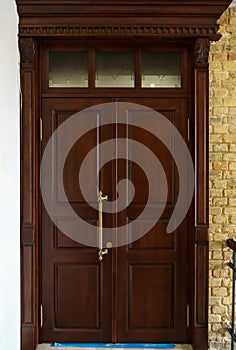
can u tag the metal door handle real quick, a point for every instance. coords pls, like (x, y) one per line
(101, 250)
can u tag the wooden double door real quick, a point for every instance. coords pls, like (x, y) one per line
(139, 292)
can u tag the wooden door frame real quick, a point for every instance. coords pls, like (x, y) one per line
(38, 20)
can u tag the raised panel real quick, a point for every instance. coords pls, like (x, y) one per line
(153, 144)
(78, 153)
(28, 283)
(202, 176)
(74, 159)
(77, 296)
(151, 296)
(27, 233)
(156, 238)
(201, 286)
(27, 148)
(61, 241)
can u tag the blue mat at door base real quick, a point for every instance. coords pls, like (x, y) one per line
(116, 346)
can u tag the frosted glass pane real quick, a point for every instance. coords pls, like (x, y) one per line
(161, 70)
(68, 69)
(114, 69)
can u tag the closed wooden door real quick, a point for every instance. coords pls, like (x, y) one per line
(138, 293)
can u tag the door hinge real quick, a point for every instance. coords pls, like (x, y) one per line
(188, 129)
(187, 315)
(41, 315)
(41, 129)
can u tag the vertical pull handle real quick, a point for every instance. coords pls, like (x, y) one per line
(101, 250)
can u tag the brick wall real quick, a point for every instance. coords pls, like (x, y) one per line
(222, 175)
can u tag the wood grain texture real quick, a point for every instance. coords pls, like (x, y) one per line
(163, 22)
(75, 287)
(201, 134)
(149, 18)
(27, 145)
(201, 285)
(200, 292)
(28, 288)
(28, 341)
(157, 280)
(151, 293)
(29, 217)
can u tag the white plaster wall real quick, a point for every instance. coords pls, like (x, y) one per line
(9, 179)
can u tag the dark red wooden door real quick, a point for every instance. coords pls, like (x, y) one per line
(152, 271)
(76, 287)
(138, 293)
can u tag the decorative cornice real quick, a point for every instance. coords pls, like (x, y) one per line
(182, 31)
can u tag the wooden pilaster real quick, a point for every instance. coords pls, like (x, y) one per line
(200, 320)
(29, 283)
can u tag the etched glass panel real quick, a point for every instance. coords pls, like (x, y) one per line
(114, 69)
(68, 69)
(161, 69)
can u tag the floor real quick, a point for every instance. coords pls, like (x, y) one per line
(47, 347)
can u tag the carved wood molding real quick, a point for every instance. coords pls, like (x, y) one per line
(27, 50)
(202, 48)
(146, 30)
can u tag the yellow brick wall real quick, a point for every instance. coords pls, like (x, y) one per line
(222, 175)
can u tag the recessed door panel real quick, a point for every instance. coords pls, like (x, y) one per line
(71, 304)
(151, 296)
(156, 237)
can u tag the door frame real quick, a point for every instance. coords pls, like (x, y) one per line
(195, 22)
(30, 209)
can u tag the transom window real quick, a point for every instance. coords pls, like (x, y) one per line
(114, 69)
(68, 69)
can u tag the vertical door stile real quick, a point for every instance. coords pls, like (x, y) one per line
(114, 224)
